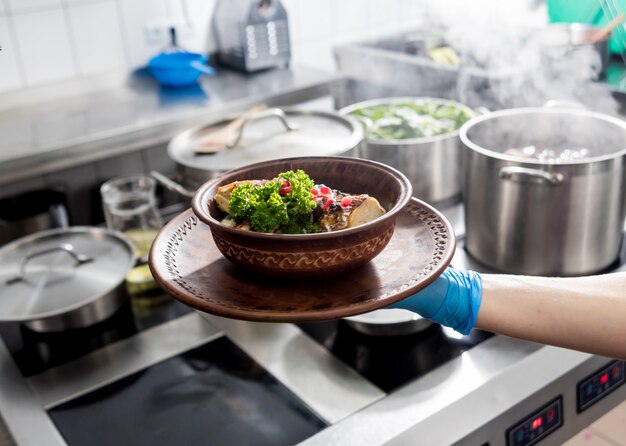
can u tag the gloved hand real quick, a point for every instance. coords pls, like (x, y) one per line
(452, 300)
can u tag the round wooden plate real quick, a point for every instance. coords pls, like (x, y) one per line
(186, 263)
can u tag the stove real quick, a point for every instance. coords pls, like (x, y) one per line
(165, 373)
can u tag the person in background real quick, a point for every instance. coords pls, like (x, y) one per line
(582, 313)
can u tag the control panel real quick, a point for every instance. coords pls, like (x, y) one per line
(599, 384)
(537, 426)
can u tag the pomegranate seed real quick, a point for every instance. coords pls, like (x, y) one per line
(325, 190)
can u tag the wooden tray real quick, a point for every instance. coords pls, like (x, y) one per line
(186, 263)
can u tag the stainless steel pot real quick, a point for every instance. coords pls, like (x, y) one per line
(31, 212)
(433, 165)
(544, 217)
(389, 322)
(265, 135)
(64, 278)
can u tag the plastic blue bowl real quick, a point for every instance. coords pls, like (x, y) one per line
(178, 69)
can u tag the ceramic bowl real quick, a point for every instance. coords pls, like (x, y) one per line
(309, 255)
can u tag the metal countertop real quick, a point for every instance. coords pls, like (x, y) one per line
(134, 113)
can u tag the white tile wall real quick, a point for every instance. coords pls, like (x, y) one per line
(62, 39)
(17, 6)
(135, 15)
(198, 13)
(44, 46)
(97, 37)
(10, 78)
(80, 2)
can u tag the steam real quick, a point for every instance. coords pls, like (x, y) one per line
(504, 62)
(505, 42)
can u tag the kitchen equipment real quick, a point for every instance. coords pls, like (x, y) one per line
(264, 136)
(179, 69)
(252, 35)
(562, 43)
(130, 207)
(309, 255)
(400, 65)
(186, 262)
(432, 164)
(31, 212)
(388, 322)
(544, 216)
(176, 67)
(61, 279)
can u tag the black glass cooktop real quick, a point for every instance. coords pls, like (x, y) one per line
(35, 352)
(212, 395)
(391, 361)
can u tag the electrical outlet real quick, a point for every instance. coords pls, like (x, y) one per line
(158, 33)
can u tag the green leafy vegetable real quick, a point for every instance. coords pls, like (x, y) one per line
(269, 210)
(405, 120)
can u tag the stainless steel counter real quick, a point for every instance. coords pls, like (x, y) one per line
(132, 113)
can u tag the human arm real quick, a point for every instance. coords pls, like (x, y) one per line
(580, 313)
(583, 313)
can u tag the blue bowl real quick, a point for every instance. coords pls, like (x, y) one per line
(178, 69)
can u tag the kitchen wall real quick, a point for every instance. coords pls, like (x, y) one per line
(46, 41)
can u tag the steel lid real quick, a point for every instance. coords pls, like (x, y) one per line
(55, 281)
(265, 138)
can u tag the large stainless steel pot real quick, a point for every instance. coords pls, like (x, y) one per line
(433, 165)
(62, 279)
(265, 135)
(542, 217)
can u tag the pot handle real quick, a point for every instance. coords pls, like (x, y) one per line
(513, 172)
(203, 68)
(172, 185)
(279, 113)
(65, 247)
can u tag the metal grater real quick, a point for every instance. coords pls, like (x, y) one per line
(252, 35)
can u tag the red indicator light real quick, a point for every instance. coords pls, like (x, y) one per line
(616, 371)
(550, 415)
(604, 378)
(537, 422)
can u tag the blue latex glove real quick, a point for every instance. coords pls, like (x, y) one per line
(451, 300)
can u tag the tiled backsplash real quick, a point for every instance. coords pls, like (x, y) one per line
(44, 41)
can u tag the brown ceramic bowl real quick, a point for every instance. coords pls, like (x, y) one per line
(309, 255)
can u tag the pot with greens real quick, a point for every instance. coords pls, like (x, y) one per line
(418, 136)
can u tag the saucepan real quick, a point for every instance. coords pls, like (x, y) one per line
(65, 278)
(544, 190)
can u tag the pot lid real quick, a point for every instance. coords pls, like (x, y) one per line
(265, 136)
(55, 271)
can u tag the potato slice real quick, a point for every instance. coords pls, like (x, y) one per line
(367, 211)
